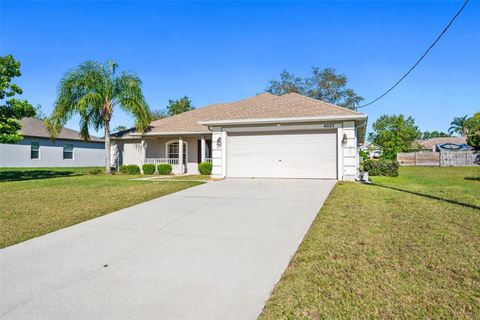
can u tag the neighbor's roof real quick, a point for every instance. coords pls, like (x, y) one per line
(262, 106)
(32, 127)
(431, 143)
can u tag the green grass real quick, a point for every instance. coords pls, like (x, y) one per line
(38, 201)
(380, 252)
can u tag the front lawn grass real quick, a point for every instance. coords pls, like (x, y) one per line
(38, 201)
(380, 252)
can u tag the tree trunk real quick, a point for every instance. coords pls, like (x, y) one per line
(107, 147)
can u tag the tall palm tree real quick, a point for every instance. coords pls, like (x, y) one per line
(459, 125)
(93, 90)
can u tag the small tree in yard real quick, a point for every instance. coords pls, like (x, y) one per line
(394, 134)
(11, 109)
(93, 91)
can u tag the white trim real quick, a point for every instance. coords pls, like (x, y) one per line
(283, 120)
(147, 134)
(325, 126)
(173, 141)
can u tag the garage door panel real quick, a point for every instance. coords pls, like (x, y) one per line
(305, 154)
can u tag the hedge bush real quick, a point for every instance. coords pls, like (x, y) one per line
(148, 168)
(164, 168)
(381, 167)
(124, 169)
(133, 169)
(205, 168)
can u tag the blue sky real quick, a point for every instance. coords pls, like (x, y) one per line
(224, 51)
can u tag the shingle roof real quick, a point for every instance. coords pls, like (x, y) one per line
(431, 143)
(32, 127)
(262, 106)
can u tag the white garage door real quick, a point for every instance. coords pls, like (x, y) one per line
(303, 154)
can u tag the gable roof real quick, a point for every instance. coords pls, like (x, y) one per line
(32, 127)
(262, 106)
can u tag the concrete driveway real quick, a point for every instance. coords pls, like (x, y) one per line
(210, 252)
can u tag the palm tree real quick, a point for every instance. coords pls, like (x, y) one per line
(93, 90)
(459, 125)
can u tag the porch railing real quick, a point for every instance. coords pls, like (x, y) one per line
(172, 161)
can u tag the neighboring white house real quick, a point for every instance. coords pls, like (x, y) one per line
(265, 136)
(38, 150)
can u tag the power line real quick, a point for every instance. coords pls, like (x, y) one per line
(421, 58)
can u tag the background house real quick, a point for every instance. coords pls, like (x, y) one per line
(38, 150)
(431, 144)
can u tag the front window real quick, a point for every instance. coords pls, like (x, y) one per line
(173, 151)
(34, 150)
(68, 151)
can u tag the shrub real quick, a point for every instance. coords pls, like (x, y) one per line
(95, 171)
(164, 168)
(364, 154)
(381, 167)
(133, 169)
(148, 168)
(123, 169)
(205, 168)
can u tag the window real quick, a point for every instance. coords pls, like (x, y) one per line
(68, 151)
(173, 151)
(34, 150)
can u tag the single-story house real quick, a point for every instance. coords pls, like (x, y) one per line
(374, 151)
(37, 149)
(265, 136)
(431, 144)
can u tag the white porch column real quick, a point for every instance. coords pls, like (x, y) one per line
(180, 154)
(143, 150)
(202, 149)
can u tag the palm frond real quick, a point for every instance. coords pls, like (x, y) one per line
(130, 98)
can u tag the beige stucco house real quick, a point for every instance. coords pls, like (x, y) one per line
(265, 136)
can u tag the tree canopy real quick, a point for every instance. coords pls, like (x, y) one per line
(459, 126)
(433, 134)
(179, 106)
(394, 134)
(473, 129)
(11, 109)
(324, 84)
(93, 91)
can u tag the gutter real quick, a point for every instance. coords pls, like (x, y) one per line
(282, 120)
(153, 134)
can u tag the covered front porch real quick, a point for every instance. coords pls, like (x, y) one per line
(183, 153)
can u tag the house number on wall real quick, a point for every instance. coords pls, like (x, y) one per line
(329, 125)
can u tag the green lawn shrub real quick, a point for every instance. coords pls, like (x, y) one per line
(164, 168)
(148, 168)
(205, 168)
(124, 169)
(133, 169)
(381, 167)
